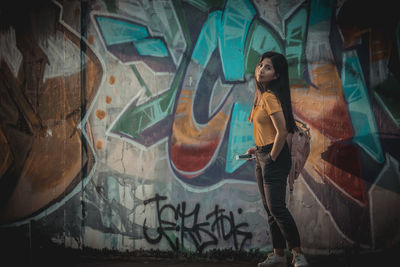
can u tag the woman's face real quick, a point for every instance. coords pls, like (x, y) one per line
(265, 71)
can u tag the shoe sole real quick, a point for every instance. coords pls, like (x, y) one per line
(278, 264)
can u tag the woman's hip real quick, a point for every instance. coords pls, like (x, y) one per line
(280, 167)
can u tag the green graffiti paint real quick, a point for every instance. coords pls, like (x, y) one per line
(260, 39)
(141, 81)
(295, 34)
(111, 6)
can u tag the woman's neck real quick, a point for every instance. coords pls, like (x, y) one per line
(265, 88)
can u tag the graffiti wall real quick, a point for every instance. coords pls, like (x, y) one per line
(121, 122)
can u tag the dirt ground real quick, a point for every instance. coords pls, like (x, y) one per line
(366, 260)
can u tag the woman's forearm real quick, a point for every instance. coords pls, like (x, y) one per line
(280, 139)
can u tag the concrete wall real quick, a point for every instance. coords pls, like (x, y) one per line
(121, 120)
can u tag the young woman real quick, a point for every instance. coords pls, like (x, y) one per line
(273, 119)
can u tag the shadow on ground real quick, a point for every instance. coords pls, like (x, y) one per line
(60, 257)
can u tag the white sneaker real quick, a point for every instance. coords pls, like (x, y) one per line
(299, 260)
(274, 260)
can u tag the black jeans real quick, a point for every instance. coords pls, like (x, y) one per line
(271, 179)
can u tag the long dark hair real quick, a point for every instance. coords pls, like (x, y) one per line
(279, 87)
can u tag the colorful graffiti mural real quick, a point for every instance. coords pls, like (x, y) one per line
(144, 102)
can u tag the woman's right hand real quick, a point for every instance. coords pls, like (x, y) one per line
(251, 150)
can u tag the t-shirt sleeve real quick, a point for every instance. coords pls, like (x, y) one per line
(272, 104)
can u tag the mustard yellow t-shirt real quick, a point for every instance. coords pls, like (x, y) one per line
(264, 130)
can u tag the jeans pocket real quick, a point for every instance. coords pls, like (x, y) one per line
(264, 159)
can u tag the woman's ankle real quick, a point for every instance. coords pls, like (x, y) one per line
(297, 250)
(279, 251)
